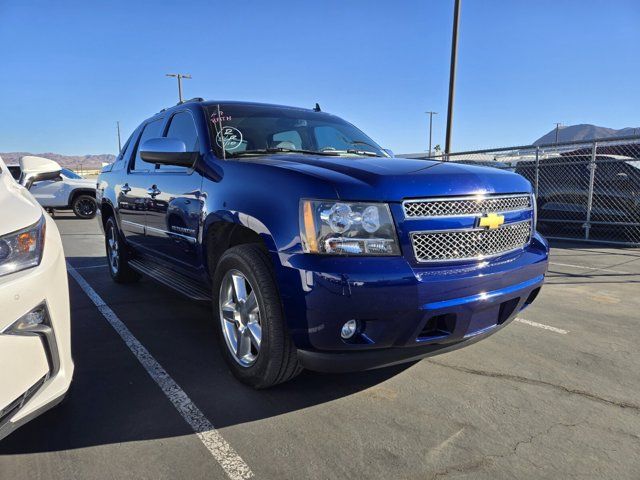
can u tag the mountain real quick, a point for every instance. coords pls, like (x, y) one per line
(88, 162)
(584, 131)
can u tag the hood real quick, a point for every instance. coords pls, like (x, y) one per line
(394, 179)
(18, 208)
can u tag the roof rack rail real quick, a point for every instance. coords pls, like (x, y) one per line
(194, 99)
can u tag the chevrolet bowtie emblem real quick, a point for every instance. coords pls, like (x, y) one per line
(491, 221)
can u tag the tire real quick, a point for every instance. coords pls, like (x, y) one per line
(84, 206)
(273, 359)
(118, 255)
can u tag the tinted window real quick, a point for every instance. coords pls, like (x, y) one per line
(125, 154)
(329, 137)
(182, 127)
(121, 154)
(151, 130)
(70, 173)
(255, 129)
(15, 171)
(290, 139)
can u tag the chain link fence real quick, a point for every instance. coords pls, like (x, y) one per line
(585, 190)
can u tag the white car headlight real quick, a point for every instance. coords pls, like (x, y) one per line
(347, 228)
(22, 249)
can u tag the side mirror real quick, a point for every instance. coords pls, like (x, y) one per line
(37, 169)
(40, 177)
(388, 152)
(167, 151)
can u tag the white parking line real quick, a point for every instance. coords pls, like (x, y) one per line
(102, 265)
(225, 455)
(543, 326)
(590, 268)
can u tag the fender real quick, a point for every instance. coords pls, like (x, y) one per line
(79, 191)
(107, 201)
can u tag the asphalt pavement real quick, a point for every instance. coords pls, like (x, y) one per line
(554, 395)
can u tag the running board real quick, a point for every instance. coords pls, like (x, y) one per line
(180, 283)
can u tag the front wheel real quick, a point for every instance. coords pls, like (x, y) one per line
(84, 206)
(252, 333)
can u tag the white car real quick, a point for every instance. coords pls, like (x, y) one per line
(35, 351)
(66, 191)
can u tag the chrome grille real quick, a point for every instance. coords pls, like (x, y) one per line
(465, 206)
(477, 243)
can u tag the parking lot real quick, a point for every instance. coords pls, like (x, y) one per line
(554, 395)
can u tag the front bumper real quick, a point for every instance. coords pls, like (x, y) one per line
(405, 312)
(515, 298)
(36, 366)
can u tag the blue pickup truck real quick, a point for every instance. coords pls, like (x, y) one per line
(317, 248)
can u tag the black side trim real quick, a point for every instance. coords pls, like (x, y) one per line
(172, 279)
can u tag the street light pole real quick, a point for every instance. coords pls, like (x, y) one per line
(431, 114)
(557, 131)
(179, 76)
(452, 74)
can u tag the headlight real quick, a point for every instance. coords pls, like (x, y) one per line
(347, 228)
(22, 249)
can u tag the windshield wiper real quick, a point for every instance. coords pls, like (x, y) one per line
(262, 151)
(362, 152)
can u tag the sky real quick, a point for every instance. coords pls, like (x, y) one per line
(70, 69)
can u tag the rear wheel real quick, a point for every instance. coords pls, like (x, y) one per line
(118, 255)
(84, 206)
(252, 333)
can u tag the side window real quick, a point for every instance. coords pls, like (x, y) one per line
(125, 154)
(182, 127)
(289, 139)
(15, 172)
(151, 130)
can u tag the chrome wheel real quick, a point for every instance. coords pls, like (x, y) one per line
(112, 251)
(240, 318)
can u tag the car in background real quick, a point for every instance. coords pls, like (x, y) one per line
(68, 191)
(563, 188)
(35, 342)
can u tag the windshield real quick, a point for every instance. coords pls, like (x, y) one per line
(69, 173)
(258, 129)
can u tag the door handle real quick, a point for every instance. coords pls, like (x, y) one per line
(153, 191)
(125, 188)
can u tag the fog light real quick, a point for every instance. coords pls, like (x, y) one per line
(349, 329)
(27, 323)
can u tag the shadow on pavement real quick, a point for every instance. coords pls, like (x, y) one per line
(113, 399)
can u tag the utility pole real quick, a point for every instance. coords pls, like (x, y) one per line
(119, 144)
(179, 76)
(557, 131)
(452, 74)
(431, 114)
